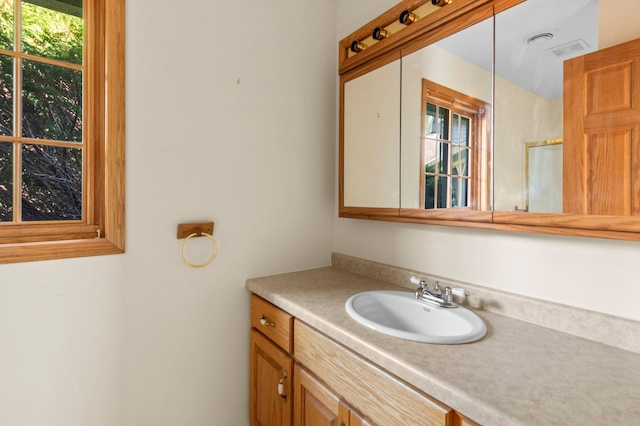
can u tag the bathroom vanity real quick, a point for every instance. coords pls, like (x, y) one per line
(340, 371)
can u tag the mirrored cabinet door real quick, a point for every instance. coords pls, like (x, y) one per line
(372, 139)
(446, 123)
(533, 41)
(545, 102)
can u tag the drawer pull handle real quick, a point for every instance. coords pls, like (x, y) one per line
(266, 323)
(281, 387)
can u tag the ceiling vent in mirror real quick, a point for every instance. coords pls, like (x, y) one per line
(539, 38)
(569, 50)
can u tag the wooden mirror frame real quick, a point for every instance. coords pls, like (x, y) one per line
(437, 25)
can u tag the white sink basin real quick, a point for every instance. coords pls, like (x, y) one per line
(399, 314)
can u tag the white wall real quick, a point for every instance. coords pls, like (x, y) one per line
(594, 274)
(231, 118)
(521, 117)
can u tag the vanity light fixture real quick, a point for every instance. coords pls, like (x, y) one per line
(441, 3)
(379, 34)
(408, 18)
(357, 46)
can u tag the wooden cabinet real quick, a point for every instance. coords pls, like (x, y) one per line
(270, 383)
(317, 405)
(326, 384)
(273, 322)
(602, 132)
(382, 398)
(271, 369)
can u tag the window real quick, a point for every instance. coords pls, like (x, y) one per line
(454, 153)
(61, 129)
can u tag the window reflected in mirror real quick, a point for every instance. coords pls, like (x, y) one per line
(451, 148)
(446, 122)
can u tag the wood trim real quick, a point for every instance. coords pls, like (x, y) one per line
(381, 397)
(26, 232)
(418, 29)
(589, 222)
(368, 212)
(114, 161)
(12, 253)
(362, 33)
(41, 60)
(448, 214)
(518, 222)
(106, 210)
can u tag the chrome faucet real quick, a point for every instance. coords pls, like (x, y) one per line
(435, 296)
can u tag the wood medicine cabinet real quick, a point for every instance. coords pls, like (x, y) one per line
(600, 178)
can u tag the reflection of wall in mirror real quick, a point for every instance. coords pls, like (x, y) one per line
(521, 117)
(544, 178)
(617, 22)
(438, 65)
(372, 138)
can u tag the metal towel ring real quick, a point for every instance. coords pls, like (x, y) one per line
(202, 265)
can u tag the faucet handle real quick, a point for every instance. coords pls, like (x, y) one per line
(422, 285)
(460, 292)
(417, 281)
(449, 292)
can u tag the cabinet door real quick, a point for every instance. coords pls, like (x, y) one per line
(384, 399)
(271, 370)
(358, 419)
(602, 132)
(315, 405)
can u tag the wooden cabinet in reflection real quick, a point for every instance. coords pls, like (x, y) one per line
(602, 132)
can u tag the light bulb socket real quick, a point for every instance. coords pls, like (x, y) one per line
(408, 18)
(379, 33)
(441, 3)
(357, 46)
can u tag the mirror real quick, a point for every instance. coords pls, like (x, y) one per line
(533, 39)
(407, 128)
(543, 177)
(446, 122)
(372, 138)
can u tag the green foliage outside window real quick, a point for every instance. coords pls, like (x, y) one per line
(52, 101)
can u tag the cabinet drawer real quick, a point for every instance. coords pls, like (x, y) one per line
(381, 397)
(273, 322)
